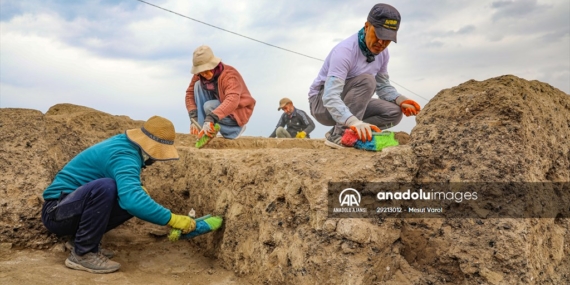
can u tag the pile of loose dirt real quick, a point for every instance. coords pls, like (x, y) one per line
(504, 129)
(273, 194)
(501, 129)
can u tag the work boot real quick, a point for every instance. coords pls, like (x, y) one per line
(106, 252)
(91, 262)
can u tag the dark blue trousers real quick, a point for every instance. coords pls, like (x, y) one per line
(86, 213)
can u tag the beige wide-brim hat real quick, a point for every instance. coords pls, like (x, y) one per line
(155, 138)
(204, 59)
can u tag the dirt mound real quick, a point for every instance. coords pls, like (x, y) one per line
(504, 129)
(273, 194)
(501, 129)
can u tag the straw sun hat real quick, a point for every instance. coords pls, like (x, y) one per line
(204, 59)
(156, 138)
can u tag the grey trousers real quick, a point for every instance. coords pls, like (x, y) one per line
(281, 132)
(357, 96)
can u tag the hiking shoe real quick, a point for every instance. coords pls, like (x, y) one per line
(334, 141)
(106, 252)
(92, 262)
(329, 133)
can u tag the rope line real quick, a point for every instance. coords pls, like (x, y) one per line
(255, 40)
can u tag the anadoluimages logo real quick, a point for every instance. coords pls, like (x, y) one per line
(349, 197)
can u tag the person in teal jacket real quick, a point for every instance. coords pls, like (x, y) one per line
(100, 188)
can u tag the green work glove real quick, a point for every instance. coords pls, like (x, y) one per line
(182, 222)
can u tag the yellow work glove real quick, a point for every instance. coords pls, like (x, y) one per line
(182, 222)
(301, 135)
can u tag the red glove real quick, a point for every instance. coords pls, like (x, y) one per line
(410, 107)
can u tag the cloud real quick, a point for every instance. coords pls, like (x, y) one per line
(530, 19)
(129, 58)
(556, 36)
(515, 9)
(434, 44)
(466, 30)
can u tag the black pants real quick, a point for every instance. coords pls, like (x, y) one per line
(86, 213)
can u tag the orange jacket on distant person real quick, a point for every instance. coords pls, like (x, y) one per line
(234, 96)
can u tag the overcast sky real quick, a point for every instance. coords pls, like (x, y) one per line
(129, 58)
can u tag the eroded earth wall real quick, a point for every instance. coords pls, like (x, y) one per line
(272, 192)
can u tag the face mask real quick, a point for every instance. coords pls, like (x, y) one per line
(147, 160)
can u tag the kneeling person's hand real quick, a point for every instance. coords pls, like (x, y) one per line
(194, 126)
(409, 107)
(207, 129)
(362, 129)
(182, 222)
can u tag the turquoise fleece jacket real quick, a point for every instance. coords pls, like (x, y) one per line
(117, 158)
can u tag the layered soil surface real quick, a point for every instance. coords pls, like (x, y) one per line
(272, 194)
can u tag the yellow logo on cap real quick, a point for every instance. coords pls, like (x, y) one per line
(390, 24)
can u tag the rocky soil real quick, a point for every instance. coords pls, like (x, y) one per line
(272, 194)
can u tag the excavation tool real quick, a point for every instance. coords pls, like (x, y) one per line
(205, 139)
(378, 142)
(197, 126)
(204, 225)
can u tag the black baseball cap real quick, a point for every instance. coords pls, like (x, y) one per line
(386, 21)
